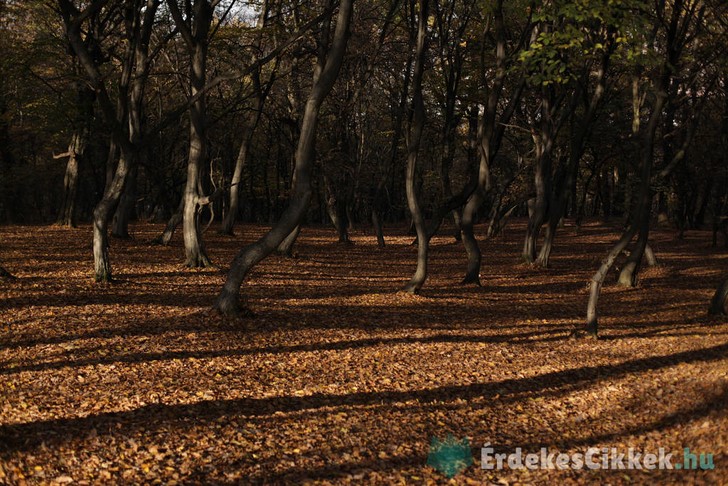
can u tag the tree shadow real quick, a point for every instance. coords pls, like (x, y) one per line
(27, 436)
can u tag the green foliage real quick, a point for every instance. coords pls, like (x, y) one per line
(573, 33)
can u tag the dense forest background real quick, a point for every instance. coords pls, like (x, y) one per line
(418, 112)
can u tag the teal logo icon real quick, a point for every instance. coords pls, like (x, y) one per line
(450, 456)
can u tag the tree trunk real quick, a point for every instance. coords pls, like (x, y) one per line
(285, 248)
(719, 302)
(102, 215)
(127, 141)
(542, 181)
(171, 226)
(490, 135)
(630, 270)
(195, 254)
(125, 210)
(85, 97)
(228, 222)
(413, 147)
(377, 223)
(67, 213)
(325, 74)
(249, 127)
(580, 130)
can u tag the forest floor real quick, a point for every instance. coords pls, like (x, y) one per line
(339, 378)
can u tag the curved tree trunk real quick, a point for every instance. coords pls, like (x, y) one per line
(719, 302)
(413, 147)
(325, 74)
(490, 135)
(630, 270)
(285, 247)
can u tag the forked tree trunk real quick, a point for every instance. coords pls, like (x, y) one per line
(644, 206)
(630, 270)
(719, 302)
(413, 147)
(127, 142)
(325, 74)
(567, 185)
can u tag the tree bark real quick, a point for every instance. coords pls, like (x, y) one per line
(325, 74)
(125, 210)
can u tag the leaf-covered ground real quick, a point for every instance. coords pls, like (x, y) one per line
(339, 378)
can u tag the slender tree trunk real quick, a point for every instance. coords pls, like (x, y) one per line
(228, 222)
(325, 75)
(567, 185)
(172, 224)
(102, 215)
(76, 149)
(413, 147)
(542, 181)
(85, 97)
(490, 135)
(630, 270)
(249, 127)
(126, 141)
(379, 200)
(377, 223)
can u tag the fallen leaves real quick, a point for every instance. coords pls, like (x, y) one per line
(341, 379)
